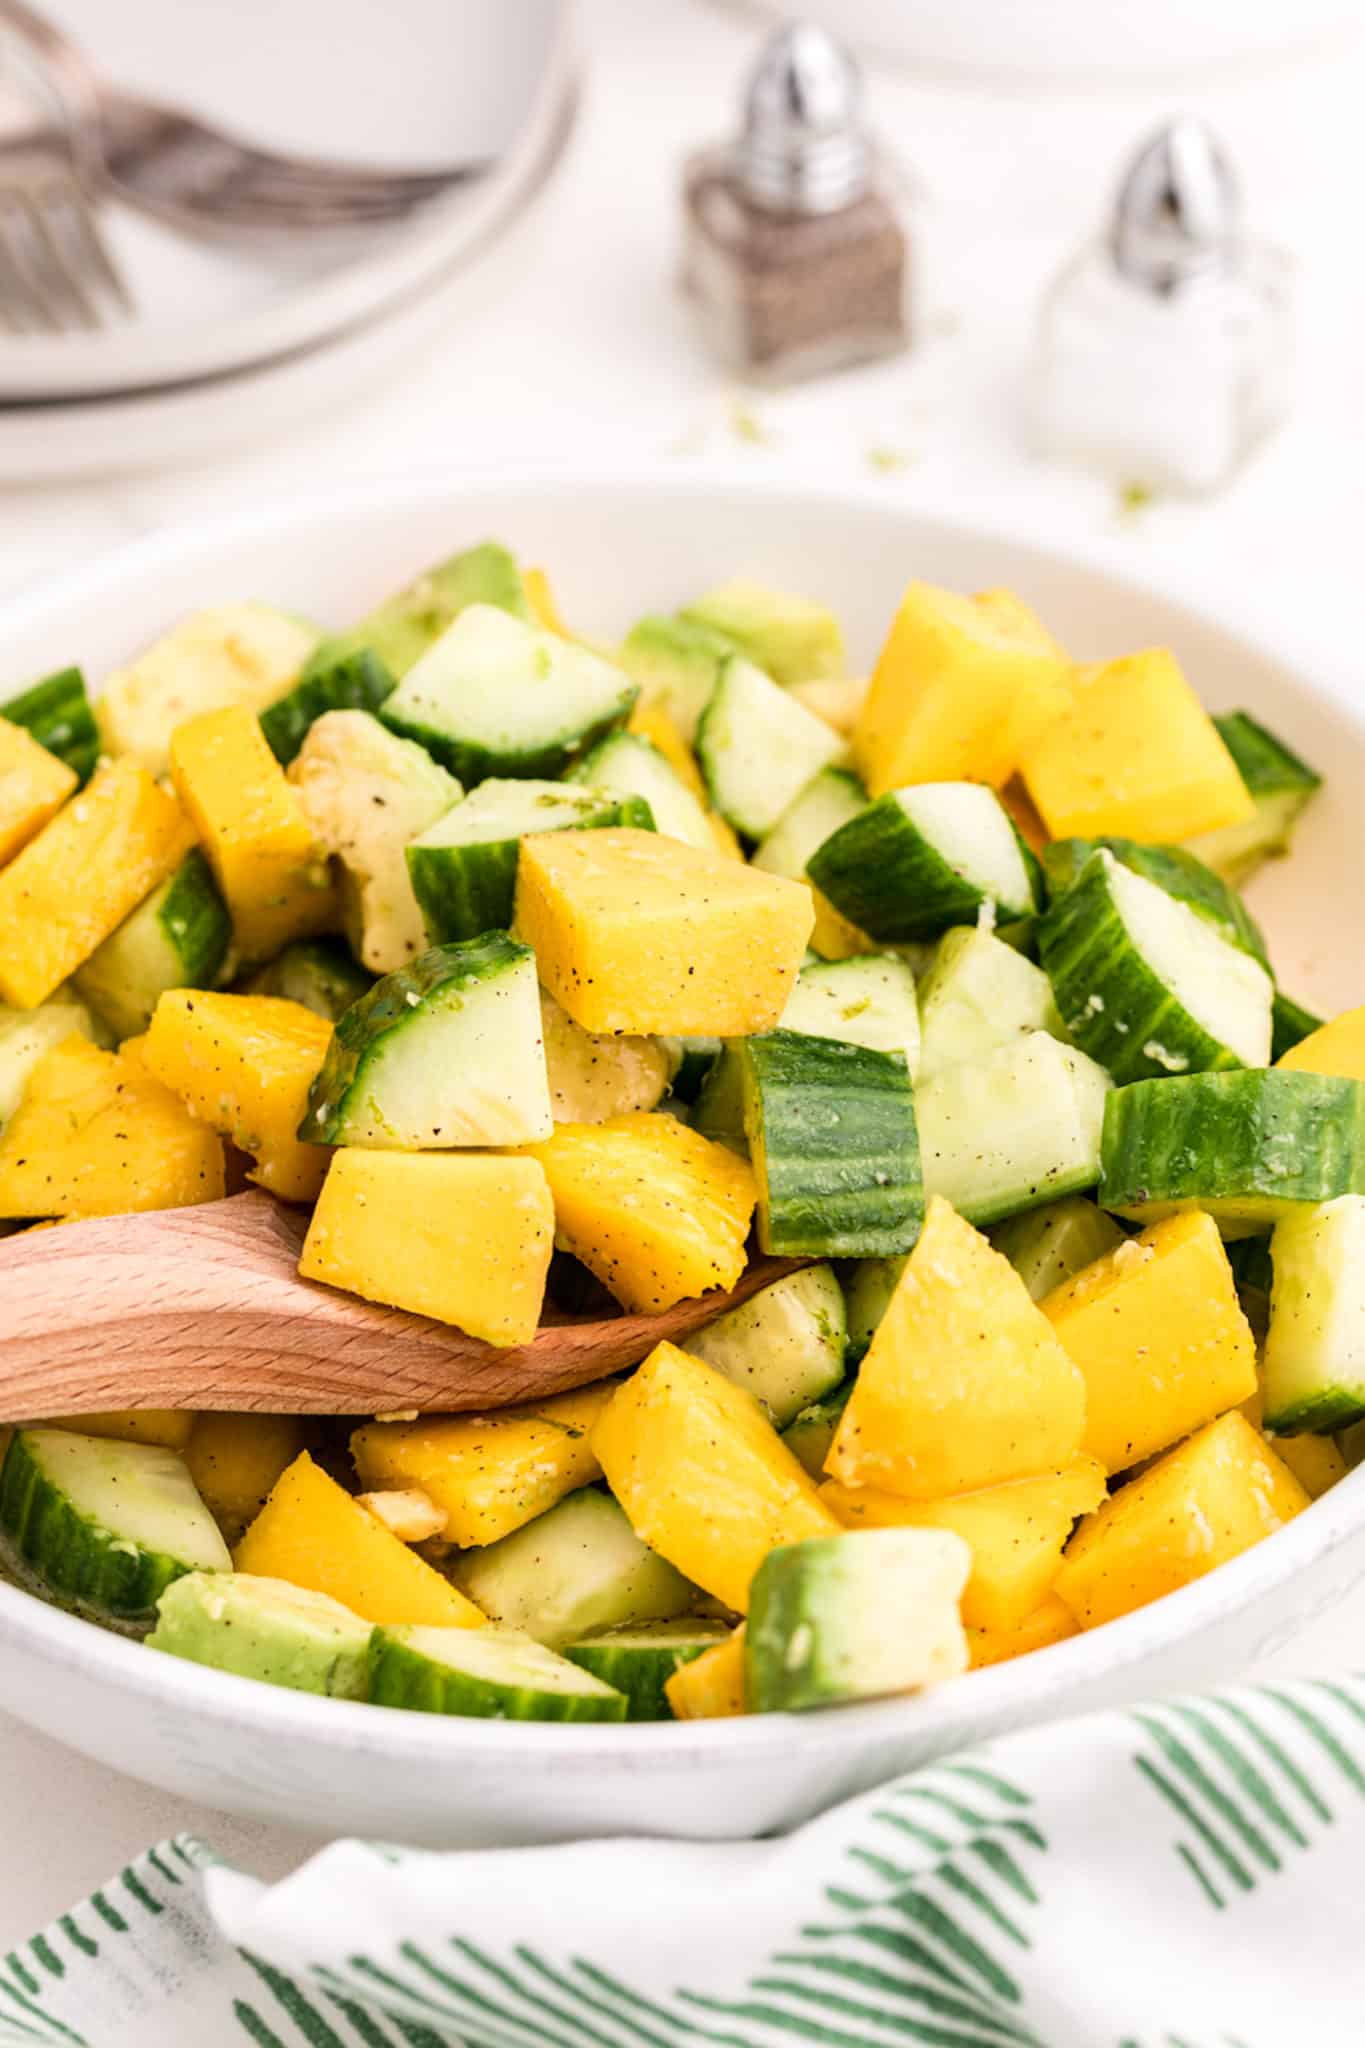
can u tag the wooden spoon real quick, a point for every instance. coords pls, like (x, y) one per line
(204, 1308)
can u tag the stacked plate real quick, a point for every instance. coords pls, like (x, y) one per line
(262, 332)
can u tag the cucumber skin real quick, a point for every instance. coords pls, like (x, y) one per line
(1266, 765)
(56, 710)
(1173, 870)
(467, 890)
(77, 1561)
(393, 997)
(881, 874)
(400, 630)
(833, 1126)
(1290, 1023)
(399, 1677)
(1085, 949)
(1275, 1136)
(640, 1675)
(319, 973)
(354, 682)
(196, 922)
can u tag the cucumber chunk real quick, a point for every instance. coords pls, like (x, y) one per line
(494, 696)
(578, 1568)
(870, 1288)
(1014, 1130)
(464, 867)
(867, 1000)
(445, 1052)
(640, 1661)
(829, 800)
(859, 1616)
(1145, 985)
(104, 1525)
(319, 973)
(1313, 1370)
(718, 1112)
(785, 1344)
(1171, 868)
(789, 637)
(831, 1133)
(628, 766)
(352, 682)
(401, 629)
(232, 654)
(266, 1629)
(676, 661)
(758, 748)
(25, 1035)
(1248, 1147)
(978, 993)
(1280, 784)
(493, 1673)
(1290, 1024)
(56, 710)
(920, 859)
(809, 1435)
(693, 1059)
(177, 938)
(1049, 1246)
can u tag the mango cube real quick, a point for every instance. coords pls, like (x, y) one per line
(94, 1135)
(490, 1474)
(702, 1474)
(1137, 755)
(964, 1384)
(244, 1064)
(960, 685)
(635, 932)
(464, 1237)
(1157, 1330)
(168, 1427)
(235, 1461)
(1050, 1622)
(658, 1212)
(33, 787)
(1202, 1504)
(1337, 1047)
(312, 1533)
(1016, 1533)
(78, 879)
(272, 871)
(1315, 1461)
(711, 1687)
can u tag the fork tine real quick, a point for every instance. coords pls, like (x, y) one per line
(31, 291)
(43, 207)
(91, 249)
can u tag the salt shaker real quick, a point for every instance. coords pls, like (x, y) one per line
(794, 254)
(1163, 348)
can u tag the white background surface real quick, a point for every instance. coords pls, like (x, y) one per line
(582, 349)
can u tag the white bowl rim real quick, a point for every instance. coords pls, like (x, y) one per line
(1022, 1684)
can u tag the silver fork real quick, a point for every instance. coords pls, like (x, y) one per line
(56, 273)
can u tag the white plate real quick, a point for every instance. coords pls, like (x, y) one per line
(615, 547)
(425, 82)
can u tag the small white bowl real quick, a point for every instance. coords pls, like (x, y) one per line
(615, 547)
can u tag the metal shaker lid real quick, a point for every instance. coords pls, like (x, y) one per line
(804, 148)
(1178, 212)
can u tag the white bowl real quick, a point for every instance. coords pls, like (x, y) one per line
(616, 547)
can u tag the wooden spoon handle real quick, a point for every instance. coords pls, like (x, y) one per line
(203, 1308)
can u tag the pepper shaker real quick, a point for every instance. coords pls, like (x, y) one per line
(1163, 348)
(794, 255)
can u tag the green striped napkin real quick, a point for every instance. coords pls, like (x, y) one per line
(1189, 1875)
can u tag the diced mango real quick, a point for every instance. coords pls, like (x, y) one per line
(726, 838)
(634, 932)
(1203, 1503)
(1315, 1461)
(1337, 1047)
(1159, 1334)
(833, 937)
(651, 719)
(839, 700)
(168, 1427)
(1024, 813)
(235, 1460)
(244, 1064)
(655, 1210)
(1016, 1533)
(272, 871)
(964, 1384)
(95, 1136)
(711, 1687)
(77, 881)
(490, 1474)
(312, 1533)
(465, 1237)
(541, 599)
(1050, 1622)
(33, 787)
(703, 1475)
(1136, 755)
(245, 654)
(960, 682)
